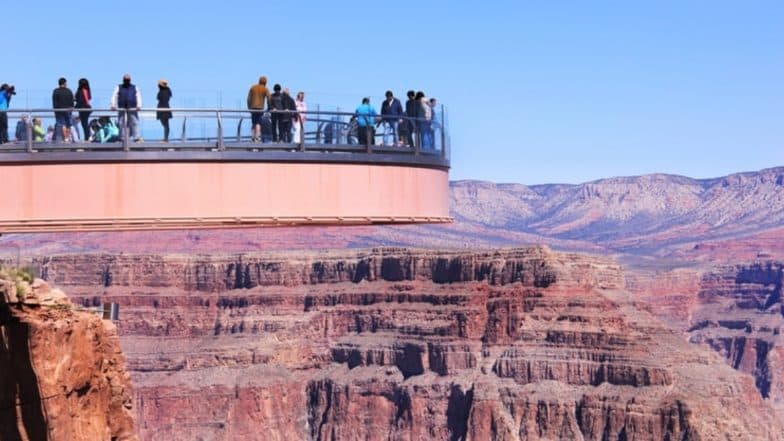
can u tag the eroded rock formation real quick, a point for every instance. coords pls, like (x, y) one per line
(740, 313)
(62, 373)
(523, 344)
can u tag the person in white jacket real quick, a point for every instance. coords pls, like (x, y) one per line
(128, 100)
(299, 118)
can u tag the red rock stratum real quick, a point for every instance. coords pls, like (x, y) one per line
(520, 344)
(62, 374)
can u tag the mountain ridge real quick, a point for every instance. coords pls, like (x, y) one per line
(650, 216)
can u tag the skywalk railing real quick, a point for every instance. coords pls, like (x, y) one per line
(231, 130)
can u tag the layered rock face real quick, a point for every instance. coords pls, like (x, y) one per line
(739, 312)
(523, 344)
(62, 373)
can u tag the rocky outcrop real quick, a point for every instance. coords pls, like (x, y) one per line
(62, 373)
(740, 314)
(406, 345)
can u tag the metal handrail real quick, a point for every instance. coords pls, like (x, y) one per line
(342, 124)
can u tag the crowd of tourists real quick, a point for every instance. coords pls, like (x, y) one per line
(126, 98)
(275, 116)
(419, 120)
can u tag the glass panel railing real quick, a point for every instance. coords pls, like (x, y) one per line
(229, 129)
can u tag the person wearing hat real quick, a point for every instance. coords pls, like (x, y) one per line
(164, 95)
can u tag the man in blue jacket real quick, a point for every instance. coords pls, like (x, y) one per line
(391, 114)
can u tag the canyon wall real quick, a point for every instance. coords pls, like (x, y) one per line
(739, 312)
(520, 344)
(62, 374)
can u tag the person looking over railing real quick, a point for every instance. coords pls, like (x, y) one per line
(128, 99)
(83, 101)
(62, 98)
(6, 92)
(164, 95)
(290, 106)
(365, 114)
(258, 100)
(277, 106)
(391, 114)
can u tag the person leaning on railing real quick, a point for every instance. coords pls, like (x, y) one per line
(258, 100)
(366, 116)
(128, 99)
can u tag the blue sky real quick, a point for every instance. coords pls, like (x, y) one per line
(538, 92)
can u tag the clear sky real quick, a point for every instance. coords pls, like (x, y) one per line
(538, 92)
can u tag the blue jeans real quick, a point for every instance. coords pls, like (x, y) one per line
(61, 119)
(426, 135)
(391, 124)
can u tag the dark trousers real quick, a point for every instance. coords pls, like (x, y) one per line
(365, 135)
(84, 118)
(285, 127)
(165, 124)
(277, 127)
(3, 127)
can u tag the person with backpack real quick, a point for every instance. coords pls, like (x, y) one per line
(366, 116)
(277, 109)
(128, 100)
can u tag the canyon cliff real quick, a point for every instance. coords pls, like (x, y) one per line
(736, 309)
(62, 374)
(516, 344)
